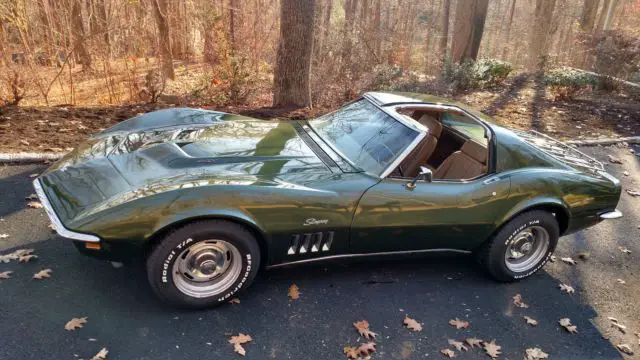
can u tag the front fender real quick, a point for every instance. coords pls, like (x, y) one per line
(183, 217)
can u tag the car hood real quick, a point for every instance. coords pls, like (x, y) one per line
(206, 149)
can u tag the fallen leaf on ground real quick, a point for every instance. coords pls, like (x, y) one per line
(620, 281)
(45, 273)
(294, 292)
(34, 204)
(474, 342)
(536, 354)
(351, 352)
(552, 258)
(625, 349)
(626, 173)
(234, 301)
(24, 142)
(567, 288)
(584, 255)
(22, 252)
(612, 319)
(531, 321)
(492, 349)
(622, 328)
(51, 227)
(4, 236)
(412, 324)
(5, 275)
(363, 328)
(7, 258)
(633, 192)
(27, 258)
(32, 197)
(101, 355)
(568, 260)
(459, 345)
(517, 301)
(448, 353)
(566, 323)
(75, 323)
(238, 341)
(624, 250)
(367, 348)
(34, 175)
(459, 324)
(614, 160)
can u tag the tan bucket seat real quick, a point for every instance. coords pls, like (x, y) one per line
(467, 163)
(419, 156)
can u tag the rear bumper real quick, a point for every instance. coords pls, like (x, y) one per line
(57, 224)
(611, 215)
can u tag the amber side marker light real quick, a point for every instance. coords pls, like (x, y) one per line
(92, 246)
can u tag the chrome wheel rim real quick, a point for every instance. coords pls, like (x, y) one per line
(207, 268)
(527, 249)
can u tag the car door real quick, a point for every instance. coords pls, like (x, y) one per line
(433, 215)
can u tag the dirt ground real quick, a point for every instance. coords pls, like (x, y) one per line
(522, 103)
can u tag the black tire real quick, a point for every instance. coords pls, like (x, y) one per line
(492, 254)
(163, 256)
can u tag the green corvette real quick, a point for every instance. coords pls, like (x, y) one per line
(207, 199)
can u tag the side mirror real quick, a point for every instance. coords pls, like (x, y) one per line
(425, 174)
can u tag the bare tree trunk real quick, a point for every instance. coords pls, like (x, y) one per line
(232, 25)
(589, 14)
(3, 41)
(293, 65)
(603, 14)
(409, 34)
(444, 37)
(377, 29)
(160, 10)
(544, 28)
(498, 33)
(505, 44)
(468, 29)
(78, 35)
(609, 16)
(349, 10)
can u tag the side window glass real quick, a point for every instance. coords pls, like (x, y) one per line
(465, 125)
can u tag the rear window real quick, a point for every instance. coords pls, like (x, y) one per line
(465, 125)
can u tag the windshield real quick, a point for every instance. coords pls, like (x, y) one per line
(365, 135)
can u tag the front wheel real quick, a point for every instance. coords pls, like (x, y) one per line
(203, 264)
(521, 247)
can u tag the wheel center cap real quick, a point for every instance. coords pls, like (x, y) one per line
(208, 267)
(526, 247)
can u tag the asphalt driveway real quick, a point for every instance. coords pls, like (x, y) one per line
(124, 316)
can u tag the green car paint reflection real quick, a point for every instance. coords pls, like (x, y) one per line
(131, 183)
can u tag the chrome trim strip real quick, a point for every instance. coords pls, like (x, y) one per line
(346, 256)
(403, 155)
(57, 224)
(616, 214)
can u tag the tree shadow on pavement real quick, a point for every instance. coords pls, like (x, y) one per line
(124, 315)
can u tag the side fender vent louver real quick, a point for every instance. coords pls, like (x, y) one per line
(310, 243)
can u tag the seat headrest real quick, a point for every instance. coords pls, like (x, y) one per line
(475, 150)
(434, 126)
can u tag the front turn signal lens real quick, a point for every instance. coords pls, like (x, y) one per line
(92, 246)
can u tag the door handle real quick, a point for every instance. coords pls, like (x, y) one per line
(492, 180)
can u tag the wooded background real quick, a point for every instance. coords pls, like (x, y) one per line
(291, 52)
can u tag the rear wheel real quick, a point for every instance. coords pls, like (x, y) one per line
(203, 264)
(521, 247)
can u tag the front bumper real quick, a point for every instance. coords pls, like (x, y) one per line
(611, 215)
(57, 224)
